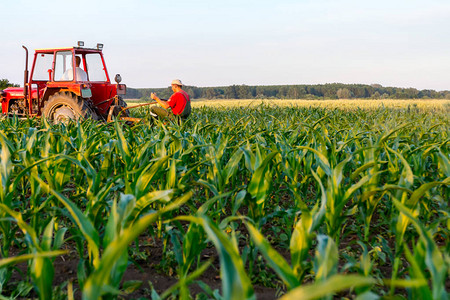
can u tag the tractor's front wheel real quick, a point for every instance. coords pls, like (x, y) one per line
(63, 107)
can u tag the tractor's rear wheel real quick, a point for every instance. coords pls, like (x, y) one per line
(63, 107)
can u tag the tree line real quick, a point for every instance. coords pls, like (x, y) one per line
(315, 91)
(302, 91)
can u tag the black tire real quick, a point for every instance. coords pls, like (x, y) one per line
(62, 107)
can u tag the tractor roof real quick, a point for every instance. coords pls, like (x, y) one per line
(77, 49)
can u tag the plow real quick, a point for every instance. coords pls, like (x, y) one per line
(68, 83)
(123, 113)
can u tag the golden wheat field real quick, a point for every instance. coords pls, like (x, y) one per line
(434, 104)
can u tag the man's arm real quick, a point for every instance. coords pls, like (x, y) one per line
(163, 103)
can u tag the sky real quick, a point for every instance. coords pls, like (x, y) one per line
(401, 43)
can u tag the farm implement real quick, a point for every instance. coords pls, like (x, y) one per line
(58, 91)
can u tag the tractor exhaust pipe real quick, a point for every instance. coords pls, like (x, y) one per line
(25, 75)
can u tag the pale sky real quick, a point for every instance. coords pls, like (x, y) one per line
(402, 43)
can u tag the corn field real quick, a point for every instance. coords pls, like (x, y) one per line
(274, 202)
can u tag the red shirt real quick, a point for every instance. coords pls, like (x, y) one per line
(178, 101)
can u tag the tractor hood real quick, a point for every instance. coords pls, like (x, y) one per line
(17, 92)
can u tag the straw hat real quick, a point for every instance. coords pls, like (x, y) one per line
(177, 82)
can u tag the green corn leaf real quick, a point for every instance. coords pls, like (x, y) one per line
(407, 177)
(326, 258)
(337, 173)
(209, 186)
(249, 157)
(232, 165)
(361, 169)
(112, 226)
(417, 275)
(259, 186)
(205, 206)
(323, 161)
(148, 174)
(131, 285)
(5, 262)
(385, 137)
(5, 165)
(408, 283)
(116, 248)
(171, 175)
(47, 237)
(368, 295)
(146, 200)
(235, 282)
(122, 144)
(186, 281)
(318, 213)
(273, 258)
(42, 274)
(238, 200)
(418, 193)
(332, 285)
(300, 242)
(444, 163)
(24, 172)
(59, 238)
(433, 257)
(83, 223)
(349, 192)
(26, 229)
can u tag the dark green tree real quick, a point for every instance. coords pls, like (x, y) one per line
(260, 92)
(282, 92)
(376, 95)
(243, 92)
(231, 93)
(210, 93)
(4, 83)
(344, 93)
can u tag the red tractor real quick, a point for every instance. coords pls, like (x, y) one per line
(58, 91)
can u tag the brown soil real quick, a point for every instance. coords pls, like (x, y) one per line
(144, 271)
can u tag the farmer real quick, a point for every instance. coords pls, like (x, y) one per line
(80, 73)
(179, 102)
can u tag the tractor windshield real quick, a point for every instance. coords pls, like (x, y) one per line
(96, 69)
(64, 70)
(43, 67)
(63, 66)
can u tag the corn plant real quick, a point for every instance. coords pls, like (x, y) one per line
(41, 268)
(344, 200)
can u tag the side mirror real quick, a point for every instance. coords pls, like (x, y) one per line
(118, 78)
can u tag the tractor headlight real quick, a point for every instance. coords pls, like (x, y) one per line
(121, 89)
